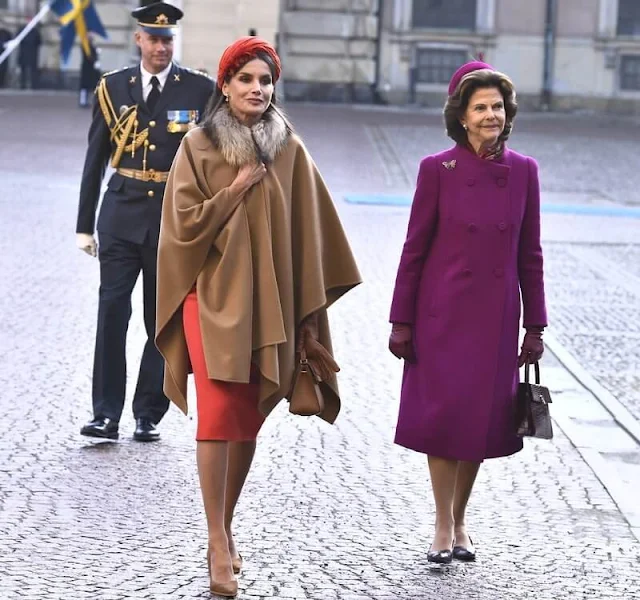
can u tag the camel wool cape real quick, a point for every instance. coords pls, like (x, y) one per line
(261, 263)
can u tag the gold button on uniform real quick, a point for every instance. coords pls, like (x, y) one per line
(151, 193)
(152, 123)
(152, 147)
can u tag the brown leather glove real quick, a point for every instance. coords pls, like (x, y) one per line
(401, 342)
(322, 363)
(532, 347)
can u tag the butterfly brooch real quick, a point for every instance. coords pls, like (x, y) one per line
(451, 164)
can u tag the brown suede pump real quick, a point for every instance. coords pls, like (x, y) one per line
(228, 589)
(236, 563)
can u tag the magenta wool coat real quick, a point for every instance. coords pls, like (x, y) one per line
(473, 244)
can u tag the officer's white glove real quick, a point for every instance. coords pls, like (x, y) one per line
(87, 243)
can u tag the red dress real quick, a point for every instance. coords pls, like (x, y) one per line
(227, 411)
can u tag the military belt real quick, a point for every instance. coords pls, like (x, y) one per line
(148, 175)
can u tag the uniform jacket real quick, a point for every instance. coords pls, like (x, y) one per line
(472, 248)
(130, 208)
(261, 264)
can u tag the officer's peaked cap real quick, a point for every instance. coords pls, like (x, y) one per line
(158, 18)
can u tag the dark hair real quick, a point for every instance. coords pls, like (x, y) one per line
(217, 99)
(456, 104)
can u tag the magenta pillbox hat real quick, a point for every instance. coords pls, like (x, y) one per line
(469, 67)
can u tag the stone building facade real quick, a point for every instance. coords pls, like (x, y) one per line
(567, 54)
(589, 49)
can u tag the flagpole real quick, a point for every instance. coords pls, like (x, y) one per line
(15, 42)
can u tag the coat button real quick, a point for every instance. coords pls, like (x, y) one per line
(498, 272)
(472, 227)
(152, 123)
(152, 147)
(466, 272)
(502, 182)
(471, 181)
(151, 193)
(502, 226)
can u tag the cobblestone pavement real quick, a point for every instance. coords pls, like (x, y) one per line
(329, 512)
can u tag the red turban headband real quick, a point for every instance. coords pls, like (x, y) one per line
(241, 52)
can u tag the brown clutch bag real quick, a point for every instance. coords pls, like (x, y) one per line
(306, 397)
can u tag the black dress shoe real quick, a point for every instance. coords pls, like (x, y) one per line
(465, 554)
(146, 431)
(441, 557)
(101, 427)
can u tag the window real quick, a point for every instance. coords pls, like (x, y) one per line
(436, 65)
(629, 17)
(445, 14)
(630, 72)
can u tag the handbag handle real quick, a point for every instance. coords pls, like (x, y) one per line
(536, 367)
(305, 365)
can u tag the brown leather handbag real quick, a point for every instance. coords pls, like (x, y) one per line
(532, 408)
(305, 398)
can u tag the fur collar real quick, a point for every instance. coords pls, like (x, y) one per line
(236, 141)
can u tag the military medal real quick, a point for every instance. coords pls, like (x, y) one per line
(181, 121)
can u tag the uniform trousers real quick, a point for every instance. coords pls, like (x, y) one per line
(121, 263)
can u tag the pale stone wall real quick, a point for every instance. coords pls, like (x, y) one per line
(579, 69)
(578, 18)
(520, 17)
(521, 58)
(209, 26)
(329, 47)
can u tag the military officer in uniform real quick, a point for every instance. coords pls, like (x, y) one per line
(140, 116)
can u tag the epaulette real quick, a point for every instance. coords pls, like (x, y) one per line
(105, 75)
(115, 71)
(197, 72)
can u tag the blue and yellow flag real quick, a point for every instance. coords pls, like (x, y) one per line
(77, 17)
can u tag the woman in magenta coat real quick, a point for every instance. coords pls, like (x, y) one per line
(472, 249)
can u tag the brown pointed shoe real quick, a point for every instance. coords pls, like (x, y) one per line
(236, 563)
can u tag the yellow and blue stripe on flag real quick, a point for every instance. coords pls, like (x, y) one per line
(77, 17)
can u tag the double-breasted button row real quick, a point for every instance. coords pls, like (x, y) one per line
(501, 182)
(498, 272)
(472, 227)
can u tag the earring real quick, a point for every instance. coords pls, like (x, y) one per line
(465, 127)
(226, 98)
